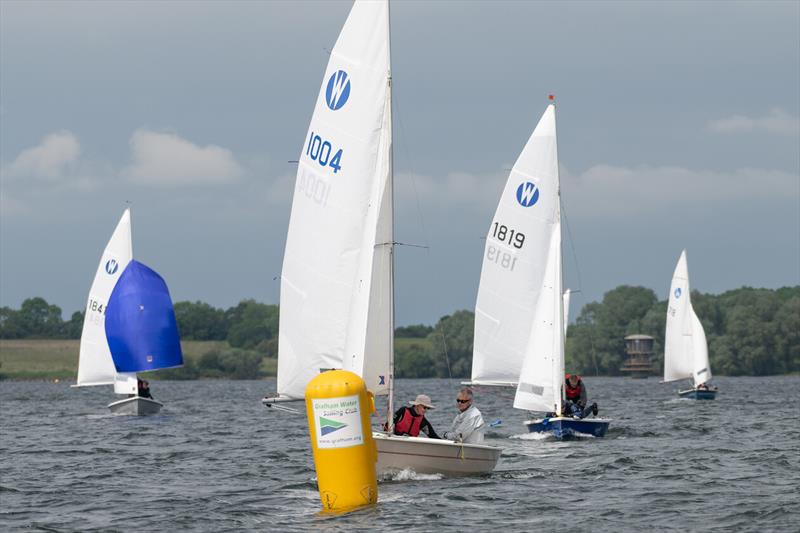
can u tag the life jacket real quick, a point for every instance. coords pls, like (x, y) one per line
(573, 393)
(409, 424)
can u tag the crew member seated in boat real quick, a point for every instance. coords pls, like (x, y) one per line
(706, 386)
(468, 425)
(411, 420)
(575, 391)
(143, 389)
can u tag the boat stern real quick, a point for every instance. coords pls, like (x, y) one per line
(136, 406)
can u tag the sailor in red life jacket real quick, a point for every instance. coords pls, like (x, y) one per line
(411, 420)
(575, 393)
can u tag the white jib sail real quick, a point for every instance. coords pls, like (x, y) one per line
(514, 260)
(95, 365)
(326, 280)
(541, 380)
(685, 348)
(702, 368)
(566, 311)
(370, 358)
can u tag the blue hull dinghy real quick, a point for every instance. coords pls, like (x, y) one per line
(566, 428)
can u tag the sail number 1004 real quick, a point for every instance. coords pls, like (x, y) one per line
(320, 150)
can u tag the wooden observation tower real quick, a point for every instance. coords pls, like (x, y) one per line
(640, 352)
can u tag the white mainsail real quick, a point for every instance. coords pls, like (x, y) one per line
(685, 346)
(513, 263)
(336, 281)
(95, 365)
(566, 311)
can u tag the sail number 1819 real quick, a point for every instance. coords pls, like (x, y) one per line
(503, 233)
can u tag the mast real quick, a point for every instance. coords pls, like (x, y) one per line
(389, 416)
(559, 370)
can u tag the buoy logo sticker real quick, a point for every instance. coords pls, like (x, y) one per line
(326, 426)
(338, 422)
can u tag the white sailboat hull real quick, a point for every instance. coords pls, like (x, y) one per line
(136, 406)
(433, 456)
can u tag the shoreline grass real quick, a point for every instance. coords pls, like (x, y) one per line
(57, 359)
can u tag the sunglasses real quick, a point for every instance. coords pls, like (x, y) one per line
(462, 401)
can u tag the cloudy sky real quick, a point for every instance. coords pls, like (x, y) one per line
(678, 128)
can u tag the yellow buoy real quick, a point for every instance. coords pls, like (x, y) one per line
(339, 408)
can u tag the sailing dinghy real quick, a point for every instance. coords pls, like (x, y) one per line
(129, 325)
(685, 347)
(520, 313)
(337, 281)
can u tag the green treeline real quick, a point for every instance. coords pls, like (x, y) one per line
(749, 331)
(752, 332)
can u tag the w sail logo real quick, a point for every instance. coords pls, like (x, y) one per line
(338, 90)
(678, 292)
(112, 266)
(327, 426)
(527, 194)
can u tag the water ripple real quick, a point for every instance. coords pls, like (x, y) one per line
(667, 464)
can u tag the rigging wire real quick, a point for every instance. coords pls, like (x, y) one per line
(580, 285)
(406, 152)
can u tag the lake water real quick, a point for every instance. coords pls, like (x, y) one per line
(216, 460)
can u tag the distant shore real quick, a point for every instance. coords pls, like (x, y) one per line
(57, 359)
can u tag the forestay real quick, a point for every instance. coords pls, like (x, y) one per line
(513, 262)
(685, 347)
(95, 366)
(336, 278)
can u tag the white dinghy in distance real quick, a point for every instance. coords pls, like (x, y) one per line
(337, 281)
(685, 346)
(129, 325)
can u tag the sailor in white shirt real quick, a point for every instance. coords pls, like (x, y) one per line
(468, 425)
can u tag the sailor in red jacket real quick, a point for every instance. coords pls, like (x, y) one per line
(575, 393)
(411, 420)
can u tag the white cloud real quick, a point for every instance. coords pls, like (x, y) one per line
(777, 121)
(51, 159)
(166, 160)
(616, 191)
(620, 191)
